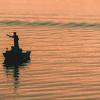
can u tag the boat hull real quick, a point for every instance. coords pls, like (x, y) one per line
(11, 57)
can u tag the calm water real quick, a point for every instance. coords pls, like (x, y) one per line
(64, 65)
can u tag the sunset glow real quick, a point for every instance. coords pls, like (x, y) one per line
(59, 7)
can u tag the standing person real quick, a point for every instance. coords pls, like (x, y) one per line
(15, 37)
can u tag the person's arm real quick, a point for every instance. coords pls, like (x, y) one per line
(10, 36)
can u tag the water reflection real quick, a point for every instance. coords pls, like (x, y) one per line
(14, 70)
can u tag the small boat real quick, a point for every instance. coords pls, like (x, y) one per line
(13, 56)
(16, 55)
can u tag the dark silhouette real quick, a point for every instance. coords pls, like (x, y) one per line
(15, 58)
(16, 39)
(14, 70)
(16, 54)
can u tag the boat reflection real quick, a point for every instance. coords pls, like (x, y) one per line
(14, 70)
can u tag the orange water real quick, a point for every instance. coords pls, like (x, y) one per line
(65, 64)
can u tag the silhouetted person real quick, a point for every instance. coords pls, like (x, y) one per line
(15, 37)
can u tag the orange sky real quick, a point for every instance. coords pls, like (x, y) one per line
(60, 7)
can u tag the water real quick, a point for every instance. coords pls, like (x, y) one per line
(64, 65)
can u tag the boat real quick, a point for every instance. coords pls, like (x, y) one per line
(16, 55)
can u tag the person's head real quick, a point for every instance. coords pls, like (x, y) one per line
(14, 33)
(7, 49)
(12, 47)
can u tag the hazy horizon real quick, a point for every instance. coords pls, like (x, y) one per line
(84, 11)
(69, 8)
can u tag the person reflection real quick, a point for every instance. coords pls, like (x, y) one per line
(14, 71)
